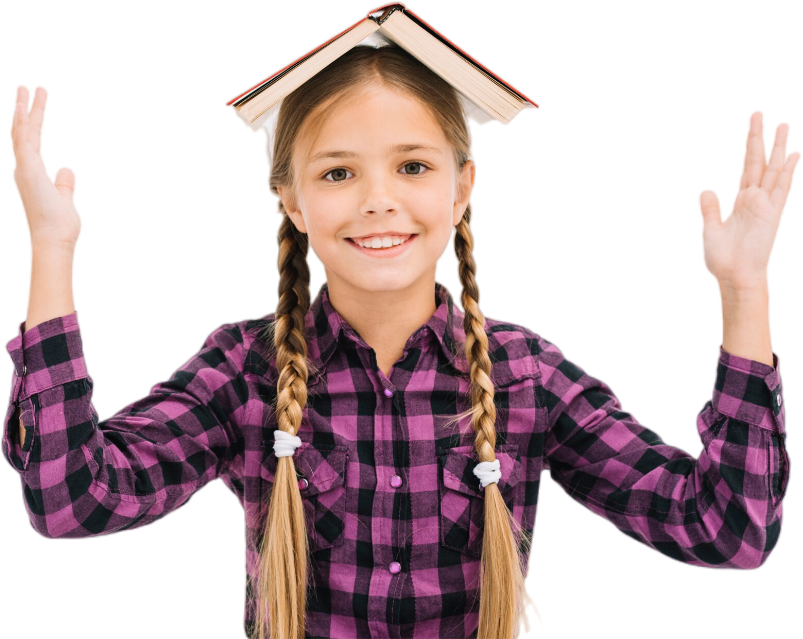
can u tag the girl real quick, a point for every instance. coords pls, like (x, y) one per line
(386, 446)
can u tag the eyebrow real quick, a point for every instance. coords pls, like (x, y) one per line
(397, 148)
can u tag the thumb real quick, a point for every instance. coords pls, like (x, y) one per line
(65, 182)
(710, 207)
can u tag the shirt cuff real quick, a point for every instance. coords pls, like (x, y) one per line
(750, 391)
(49, 354)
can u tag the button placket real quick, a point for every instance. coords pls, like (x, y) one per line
(395, 481)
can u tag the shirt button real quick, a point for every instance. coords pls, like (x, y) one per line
(395, 481)
(302, 484)
(24, 369)
(388, 392)
(779, 399)
(395, 567)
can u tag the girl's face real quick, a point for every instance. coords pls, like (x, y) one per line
(381, 164)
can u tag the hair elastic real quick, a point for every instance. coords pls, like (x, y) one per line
(488, 472)
(284, 443)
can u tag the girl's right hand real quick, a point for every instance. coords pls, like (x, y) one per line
(52, 218)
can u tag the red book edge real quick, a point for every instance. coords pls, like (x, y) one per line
(368, 17)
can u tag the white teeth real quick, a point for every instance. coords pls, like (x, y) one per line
(381, 242)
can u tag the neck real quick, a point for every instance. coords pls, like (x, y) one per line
(384, 319)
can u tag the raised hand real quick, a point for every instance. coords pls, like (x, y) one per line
(737, 251)
(52, 218)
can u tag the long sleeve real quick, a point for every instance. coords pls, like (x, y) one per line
(83, 477)
(722, 509)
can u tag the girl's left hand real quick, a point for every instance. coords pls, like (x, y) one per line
(737, 251)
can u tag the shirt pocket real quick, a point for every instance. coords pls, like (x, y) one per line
(462, 497)
(321, 472)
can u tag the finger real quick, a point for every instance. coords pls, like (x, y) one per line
(29, 127)
(66, 181)
(23, 107)
(22, 100)
(754, 157)
(775, 165)
(20, 119)
(36, 118)
(39, 107)
(710, 207)
(779, 193)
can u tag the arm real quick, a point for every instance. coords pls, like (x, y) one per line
(660, 495)
(746, 322)
(83, 477)
(51, 288)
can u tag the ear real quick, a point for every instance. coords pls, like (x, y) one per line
(465, 183)
(290, 206)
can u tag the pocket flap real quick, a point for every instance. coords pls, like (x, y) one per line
(323, 465)
(458, 465)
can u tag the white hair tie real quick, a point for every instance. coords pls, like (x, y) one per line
(285, 444)
(488, 472)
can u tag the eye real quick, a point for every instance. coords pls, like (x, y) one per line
(340, 169)
(335, 171)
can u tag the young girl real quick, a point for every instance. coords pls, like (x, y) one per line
(387, 447)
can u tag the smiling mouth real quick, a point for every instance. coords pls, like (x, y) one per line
(383, 248)
(388, 251)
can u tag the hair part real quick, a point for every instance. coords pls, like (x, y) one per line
(282, 574)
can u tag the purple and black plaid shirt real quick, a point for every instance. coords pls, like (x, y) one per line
(394, 511)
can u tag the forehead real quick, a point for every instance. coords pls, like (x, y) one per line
(375, 117)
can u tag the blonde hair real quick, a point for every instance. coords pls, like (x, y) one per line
(284, 554)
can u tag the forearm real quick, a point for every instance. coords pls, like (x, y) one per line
(746, 322)
(51, 289)
(51, 285)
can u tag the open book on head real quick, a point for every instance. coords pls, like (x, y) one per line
(484, 95)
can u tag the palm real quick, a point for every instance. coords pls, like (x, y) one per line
(51, 214)
(737, 251)
(48, 205)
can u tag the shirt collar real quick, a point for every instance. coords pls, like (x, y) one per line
(326, 328)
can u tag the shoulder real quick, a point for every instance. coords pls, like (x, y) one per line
(518, 352)
(260, 353)
(514, 350)
(230, 344)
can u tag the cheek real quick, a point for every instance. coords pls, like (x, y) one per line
(325, 212)
(438, 200)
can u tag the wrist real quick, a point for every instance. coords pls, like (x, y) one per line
(746, 288)
(47, 246)
(745, 301)
(745, 322)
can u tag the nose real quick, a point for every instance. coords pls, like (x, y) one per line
(378, 197)
(379, 202)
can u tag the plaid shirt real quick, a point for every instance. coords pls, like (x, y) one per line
(394, 511)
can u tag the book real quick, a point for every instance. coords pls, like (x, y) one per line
(484, 94)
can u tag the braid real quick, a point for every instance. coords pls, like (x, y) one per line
(501, 568)
(284, 551)
(482, 391)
